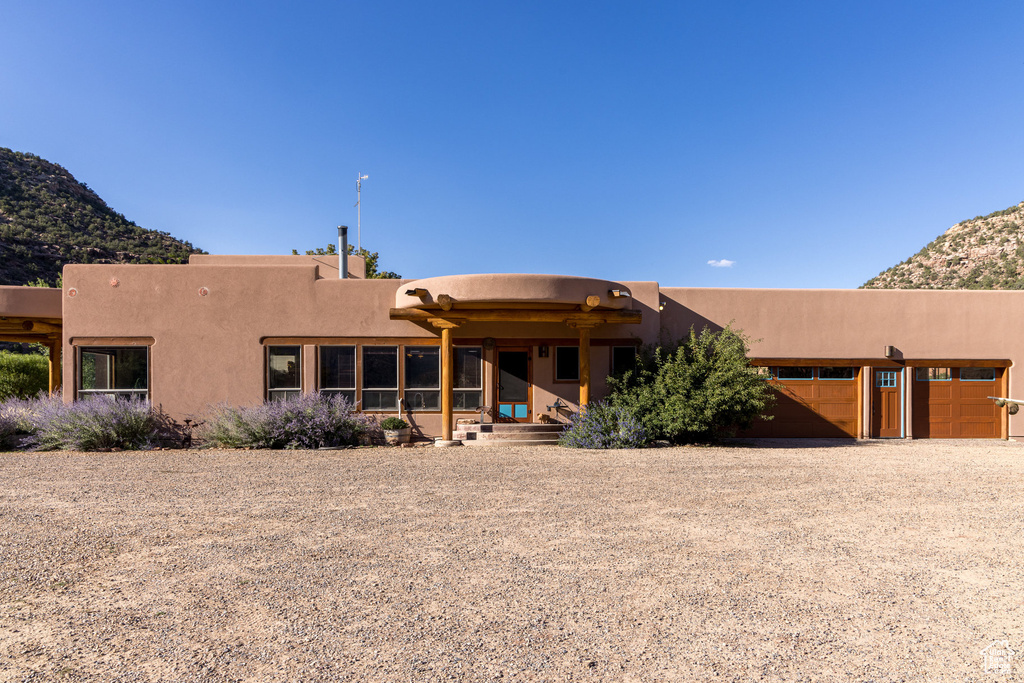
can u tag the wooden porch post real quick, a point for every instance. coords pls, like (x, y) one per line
(54, 345)
(584, 365)
(447, 376)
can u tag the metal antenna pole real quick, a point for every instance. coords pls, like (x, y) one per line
(359, 210)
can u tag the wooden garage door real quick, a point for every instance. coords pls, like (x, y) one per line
(953, 403)
(812, 403)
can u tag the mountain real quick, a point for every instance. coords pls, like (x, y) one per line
(985, 252)
(48, 219)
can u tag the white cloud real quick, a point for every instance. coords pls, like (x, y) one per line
(722, 263)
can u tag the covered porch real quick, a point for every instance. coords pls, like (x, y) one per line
(513, 302)
(33, 315)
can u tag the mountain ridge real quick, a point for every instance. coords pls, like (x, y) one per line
(49, 219)
(984, 252)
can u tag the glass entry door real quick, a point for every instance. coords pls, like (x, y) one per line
(513, 377)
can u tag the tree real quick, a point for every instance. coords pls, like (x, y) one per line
(699, 388)
(371, 258)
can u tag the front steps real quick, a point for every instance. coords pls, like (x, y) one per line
(508, 434)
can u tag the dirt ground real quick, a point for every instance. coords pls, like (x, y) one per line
(876, 561)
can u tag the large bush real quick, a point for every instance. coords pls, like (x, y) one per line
(101, 422)
(700, 388)
(603, 426)
(307, 421)
(23, 374)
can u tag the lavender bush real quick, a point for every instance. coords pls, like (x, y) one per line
(8, 426)
(603, 426)
(98, 423)
(307, 421)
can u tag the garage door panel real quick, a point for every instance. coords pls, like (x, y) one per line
(978, 430)
(838, 411)
(844, 391)
(982, 410)
(954, 408)
(977, 390)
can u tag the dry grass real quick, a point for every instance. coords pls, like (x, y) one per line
(879, 561)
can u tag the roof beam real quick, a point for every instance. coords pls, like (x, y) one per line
(518, 315)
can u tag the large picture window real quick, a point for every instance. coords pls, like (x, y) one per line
(422, 378)
(469, 378)
(113, 371)
(567, 364)
(284, 372)
(338, 371)
(380, 378)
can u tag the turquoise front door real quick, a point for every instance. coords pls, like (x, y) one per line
(514, 390)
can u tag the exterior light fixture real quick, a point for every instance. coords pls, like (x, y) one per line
(661, 305)
(890, 351)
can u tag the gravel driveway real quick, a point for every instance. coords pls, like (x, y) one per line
(876, 561)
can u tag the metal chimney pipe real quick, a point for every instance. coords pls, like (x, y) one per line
(342, 251)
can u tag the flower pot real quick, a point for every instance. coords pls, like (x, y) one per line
(393, 437)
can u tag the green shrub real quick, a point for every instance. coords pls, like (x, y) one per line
(23, 374)
(700, 388)
(390, 423)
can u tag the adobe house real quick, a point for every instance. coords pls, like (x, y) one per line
(513, 348)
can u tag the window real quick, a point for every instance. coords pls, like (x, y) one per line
(978, 374)
(623, 359)
(933, 374)
(423, 378)
(113, 371)
(792, 373)
(338, 371)
(567, 364)
(837, 373)
(469, 378)
(885, 378)
(380, 378)
(284, 372)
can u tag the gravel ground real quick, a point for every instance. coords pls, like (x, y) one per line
(877, 561)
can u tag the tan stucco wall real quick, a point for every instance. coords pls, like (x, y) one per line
(209, 320)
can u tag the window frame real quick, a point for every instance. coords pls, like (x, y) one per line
(778, 375)
(433, 391)
(397, 388)
(987, 379)
(81, 393)
(282, 393)
(615, 371)
(554, 370)
(852, 377)
(919, 369)
(351, 393)
(464, 390)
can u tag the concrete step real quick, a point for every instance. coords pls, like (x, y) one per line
(510, 442)
(511, 427)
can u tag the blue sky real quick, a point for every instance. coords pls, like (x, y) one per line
(810, 144)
